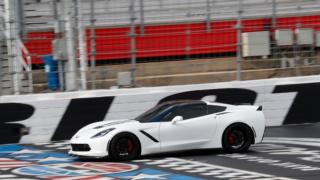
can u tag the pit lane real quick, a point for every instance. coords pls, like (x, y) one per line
(288, 152)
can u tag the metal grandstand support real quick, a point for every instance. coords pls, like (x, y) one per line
(160, 42)
(58, 31)
(19, 9)
(274, 14)
(274, 46)
(16, 69)
(18, 75)
(208, 15)
(92, 45)
(133, 49)
(71, 74)
(14, 52)
(3, 53)
(239, 42)
(82, 43)
(141, 3)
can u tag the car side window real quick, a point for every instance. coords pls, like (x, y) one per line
(168, 115)
(192, 111)
(215, 109)
(164, 115)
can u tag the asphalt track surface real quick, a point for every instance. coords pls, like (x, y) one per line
(288, 152)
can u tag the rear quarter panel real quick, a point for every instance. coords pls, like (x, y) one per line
(254, 119)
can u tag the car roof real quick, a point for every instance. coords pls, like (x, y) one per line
(187, 102)
(183, 102)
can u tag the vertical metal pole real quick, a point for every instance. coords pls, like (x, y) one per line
(92, 46)
(274, 14)
(56, 19)
(141, 17)
(273, 28)
(75, 21)
(71, 74)
(58, 30)
(2, 52)
(82, 47)
(19, 8)
(188, 37)
(239, 40)
(17, 24)
(188, 32)
(297, 47)
(208, 13)
(133, 44)
(11, 36)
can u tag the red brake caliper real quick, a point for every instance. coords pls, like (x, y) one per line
(230, 139)
(130, 145)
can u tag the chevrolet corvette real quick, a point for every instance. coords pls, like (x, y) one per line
(173, 126)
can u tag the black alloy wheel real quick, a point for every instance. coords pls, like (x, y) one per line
(237, 138)
(124, 147)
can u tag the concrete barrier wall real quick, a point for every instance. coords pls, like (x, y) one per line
(57, 116)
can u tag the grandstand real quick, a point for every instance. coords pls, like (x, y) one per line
(112, 13)
(201, 31)
(167, 21)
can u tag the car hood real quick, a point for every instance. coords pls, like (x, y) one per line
(94, 128)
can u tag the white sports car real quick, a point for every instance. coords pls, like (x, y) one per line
(173, 126)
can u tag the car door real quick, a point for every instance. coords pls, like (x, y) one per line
(195, 130)
(151, 121)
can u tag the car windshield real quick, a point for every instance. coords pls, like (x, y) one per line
(155, 114)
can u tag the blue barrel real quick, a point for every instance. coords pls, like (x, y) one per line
(51, 68)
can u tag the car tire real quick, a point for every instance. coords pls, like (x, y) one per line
(124, 147)
(237, 138)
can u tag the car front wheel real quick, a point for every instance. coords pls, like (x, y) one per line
(124, 146)
(237, 138)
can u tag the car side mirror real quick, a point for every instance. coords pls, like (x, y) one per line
(177, 119)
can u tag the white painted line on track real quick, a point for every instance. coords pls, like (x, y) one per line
(206, 169)
(292, 141)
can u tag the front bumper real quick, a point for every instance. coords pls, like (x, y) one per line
(93, 154)
(98, 148)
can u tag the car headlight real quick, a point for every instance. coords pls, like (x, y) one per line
(103, 133)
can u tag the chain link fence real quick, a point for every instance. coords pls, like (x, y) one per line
(100, 44)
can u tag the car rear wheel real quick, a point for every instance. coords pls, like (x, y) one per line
(237, 138)
(124, 146)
